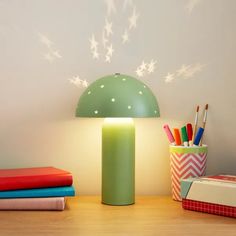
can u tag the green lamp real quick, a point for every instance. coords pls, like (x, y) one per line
(118, 98)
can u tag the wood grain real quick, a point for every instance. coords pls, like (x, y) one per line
(85, 215)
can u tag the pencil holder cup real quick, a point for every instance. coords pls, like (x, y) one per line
(186, 162)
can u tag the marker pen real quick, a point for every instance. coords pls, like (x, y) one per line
(198, 136)
(184, 136)
(177, 137)
(190, 133)
(169, 134)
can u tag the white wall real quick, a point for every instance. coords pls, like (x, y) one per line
(37, 101)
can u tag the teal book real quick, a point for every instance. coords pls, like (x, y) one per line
(39, 192)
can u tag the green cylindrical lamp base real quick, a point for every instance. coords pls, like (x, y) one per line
(118, 161)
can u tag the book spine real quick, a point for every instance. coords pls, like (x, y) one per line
(39, 192)
(29, 182)
(51, 204)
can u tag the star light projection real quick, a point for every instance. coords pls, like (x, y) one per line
(78, 82)
(51, 54)
(133, 19)
(184, 72)
(104, 48)
(146, 68)
(94, 47)
(125, 37)
(108, 28)
(111, 8)
(106, 53)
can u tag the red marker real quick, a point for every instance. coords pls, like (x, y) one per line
(189, 131)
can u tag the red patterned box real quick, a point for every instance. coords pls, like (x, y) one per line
(211, 194)
(209, 208)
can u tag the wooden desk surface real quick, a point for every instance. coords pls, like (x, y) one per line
(85, 215)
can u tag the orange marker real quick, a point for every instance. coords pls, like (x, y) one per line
(177, 136)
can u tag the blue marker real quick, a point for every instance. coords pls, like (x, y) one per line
(198, 136)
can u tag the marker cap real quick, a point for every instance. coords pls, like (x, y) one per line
(169, 134)
(184, 134)
(177, 136)
(189, 131)
(198, 136)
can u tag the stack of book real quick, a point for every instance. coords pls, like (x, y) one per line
(40, 188)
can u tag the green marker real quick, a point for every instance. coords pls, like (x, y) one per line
(184, 136)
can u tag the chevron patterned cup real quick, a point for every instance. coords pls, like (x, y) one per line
(186, 162)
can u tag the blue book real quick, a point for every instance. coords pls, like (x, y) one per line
(39, 192)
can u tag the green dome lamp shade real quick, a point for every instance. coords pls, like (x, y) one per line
(118, 98)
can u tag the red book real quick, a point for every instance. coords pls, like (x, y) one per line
(38, 177)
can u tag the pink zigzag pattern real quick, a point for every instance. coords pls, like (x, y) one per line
(185, 166)
(181, 171)
(185, 157)
(181, 161)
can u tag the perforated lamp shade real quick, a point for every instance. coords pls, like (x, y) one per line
(119, 97)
